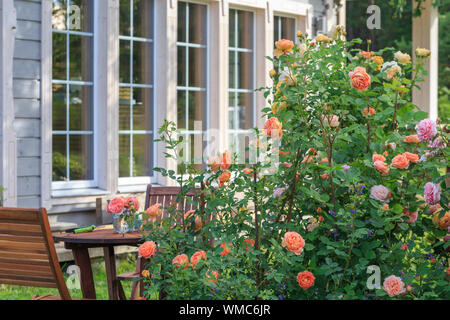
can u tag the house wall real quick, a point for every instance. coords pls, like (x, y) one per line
(29, 107)
(26, 93)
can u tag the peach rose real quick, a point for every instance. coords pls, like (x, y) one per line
(378, 157)
(214, 273)
(332, 121)
(180, 261)
(380, 193)
(411, 215)
(131, 202)
(379, 61)
(293, 242)
(248, 170)
(368, 111)
(226, 250)
(366, 54)
(145, 273)
(305, 279)
(414, 138)
(224, 177)
(402, 58)
(393, 286)
(214, 163)
(147, 249)
(115, 206)
(274, 128)
(283, 46)
(225, 160)
(359, 79)
(154, 211)
(400, 161)
(414, 158)
(423, 53)
(385, 207)
(381, 167)
(197, 256)
(443, 222)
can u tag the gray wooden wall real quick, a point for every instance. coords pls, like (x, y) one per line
(26, 88)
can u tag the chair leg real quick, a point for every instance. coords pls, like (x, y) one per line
(140, 265)
(121, 292)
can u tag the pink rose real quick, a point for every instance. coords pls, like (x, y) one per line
(426, 130)
(278, 192)
(432, 193)
(380, 193)
(115, 206)
(411, 215)
(293, 242)
(393, 286)
(359, 79)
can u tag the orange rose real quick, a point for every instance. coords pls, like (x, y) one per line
(214, 163)
(414, 158)
(224, 177)
(414, 138)
(324, 176)
(248, 243)
(145, 273)
(181, 260)
(215, 273)
(381, 167)
(225, 249)
(248, 170)
(154, 211)
(197, 256)
(444, 222)
(283, 46)
(385, 207)
(359, 79)
(147, 249)
(400, 161)
(378, 157)
(278, 106)
(274, 128)
(225, 161)
(293, 242)
(305, 279)
(368, 111)
(366, 54)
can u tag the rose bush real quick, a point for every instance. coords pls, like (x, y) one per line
(360, 181)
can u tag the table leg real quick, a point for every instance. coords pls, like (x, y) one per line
(111, 274)
(82, 260)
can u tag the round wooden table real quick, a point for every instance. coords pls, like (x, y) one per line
(101, 237)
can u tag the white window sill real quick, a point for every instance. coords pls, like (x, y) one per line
(69, 193)
(134, 188)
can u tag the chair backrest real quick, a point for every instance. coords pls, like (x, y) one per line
(27, 251)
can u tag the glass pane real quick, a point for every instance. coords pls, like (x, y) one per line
(142, 109)
(59, 158)
(181, 109)
(197, 23)
(124, 155)
(59, 14)
(80, 108)
(245, 29)
(181, 22)
(181, 72)
(59, 56)
(232, 29)
(80, 15)
(143, 18)
(276, 29)
(142, 62)
(245, 79)
(81, 54)
(288, 28)
(196, 151)
(124, 69)
(59, 108)
(232, 69)
(124, 108)
(231, 115)
(196, 109)
(197, 65)
(81, 150)
(141, 155)
(245, 103)
(124, 18)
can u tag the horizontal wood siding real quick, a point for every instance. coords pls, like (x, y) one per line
(26, 88)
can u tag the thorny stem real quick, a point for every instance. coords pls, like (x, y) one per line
(349, 250)
(394, 122)
(257, 240)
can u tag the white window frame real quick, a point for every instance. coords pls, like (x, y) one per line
(126, 182)
(235, 132)
(279, 35)
(80, 184)
(187, 89)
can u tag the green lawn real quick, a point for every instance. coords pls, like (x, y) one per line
(125, 264)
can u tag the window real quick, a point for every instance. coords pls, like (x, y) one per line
(191, 77)
(72, 89)
(136, 90)
(241, 82)
(284, 28)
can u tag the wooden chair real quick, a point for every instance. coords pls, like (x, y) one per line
(27, 252)
(166, 196)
